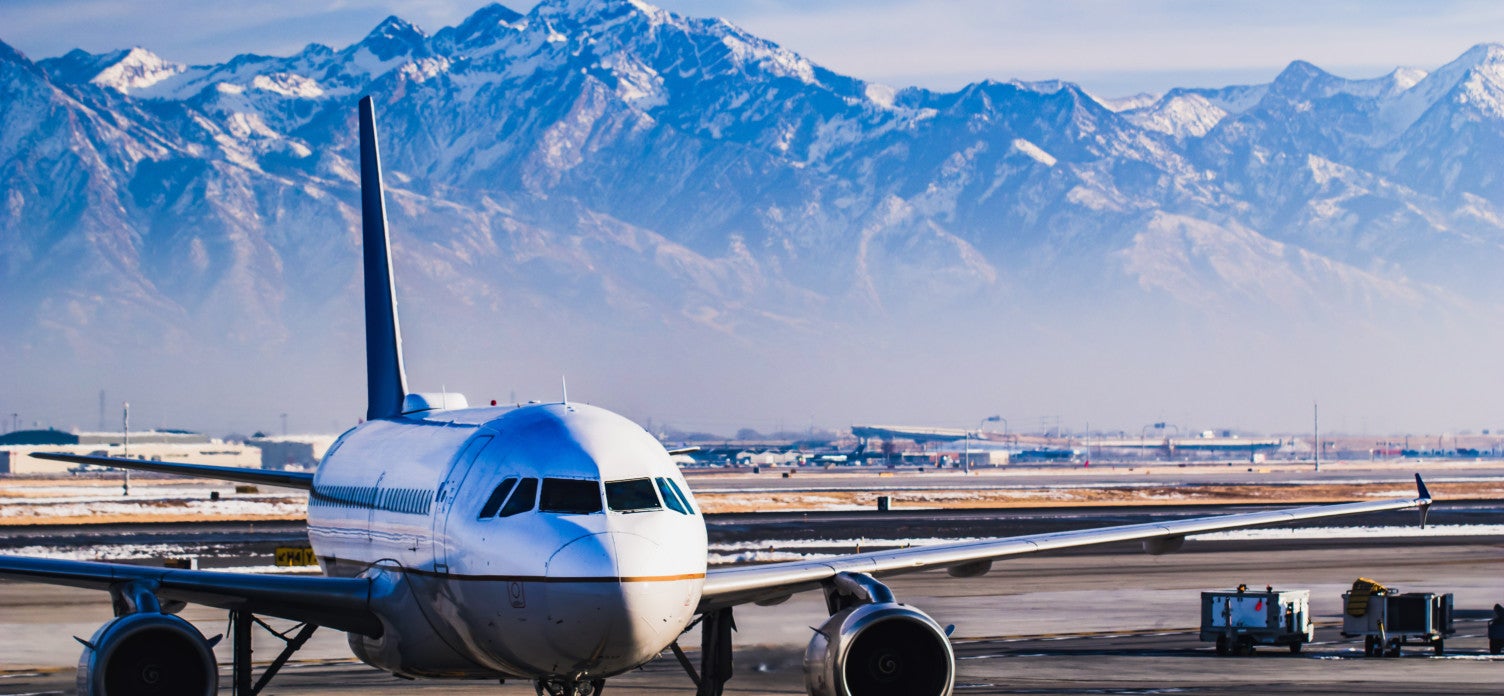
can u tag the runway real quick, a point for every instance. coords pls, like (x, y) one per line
(1109, 620)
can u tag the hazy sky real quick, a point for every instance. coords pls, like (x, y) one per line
(1112, 48)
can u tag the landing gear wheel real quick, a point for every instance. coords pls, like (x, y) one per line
(1222, 648)
(1244, 648)
(1370, 646)
(1495, 646)
(1295, 648)
(569, 687)
(1439, 646)
(1394, 649)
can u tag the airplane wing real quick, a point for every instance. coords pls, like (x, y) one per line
(770, 583)
(285, 479)
(339, 603)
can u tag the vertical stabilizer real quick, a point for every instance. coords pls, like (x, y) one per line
(386, 379)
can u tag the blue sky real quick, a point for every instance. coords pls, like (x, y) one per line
(1112, 48)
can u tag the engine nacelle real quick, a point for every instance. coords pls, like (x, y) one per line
(881, 649)
(147, 654)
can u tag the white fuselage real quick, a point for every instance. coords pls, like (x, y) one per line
(525, 582)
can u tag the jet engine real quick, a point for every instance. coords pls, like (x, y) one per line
(146, 654)
(884, 649)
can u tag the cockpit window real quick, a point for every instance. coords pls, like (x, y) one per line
(672, 497)
(570, 496)
(631, 496)
(522, 499)
(498, 497)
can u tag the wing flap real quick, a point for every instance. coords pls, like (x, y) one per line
(339, 603)
(726, 587)
(284, 479)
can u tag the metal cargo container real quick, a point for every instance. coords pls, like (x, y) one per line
(1388, 619)
(1237, 620)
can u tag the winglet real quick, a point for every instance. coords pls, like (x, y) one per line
(1423, 495)
(1421, 490)
(386, 379)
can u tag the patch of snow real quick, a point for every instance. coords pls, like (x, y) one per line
(288, 85)
(1435, 530)
(1034, 151)
(882, 95)
(1040, 86)
(637, 84)
(425, 69)
(138, 69)
(1181, 115)
(244, 125)
(236, 507)
(1405, 78)
(1121, 104)
(779, 61)
(1092, 198)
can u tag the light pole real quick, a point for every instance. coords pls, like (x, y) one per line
(1160, 426)
(125, 428)
(966, 435)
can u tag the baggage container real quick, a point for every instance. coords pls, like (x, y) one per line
(1238, 620)
(1388, 620)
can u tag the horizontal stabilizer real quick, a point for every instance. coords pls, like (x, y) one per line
(284, 479)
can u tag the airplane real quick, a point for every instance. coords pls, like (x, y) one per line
(549, 542)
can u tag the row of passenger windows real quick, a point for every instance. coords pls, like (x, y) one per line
(583, 497)
(410, 501)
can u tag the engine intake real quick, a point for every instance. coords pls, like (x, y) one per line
(147, 654)
(882, 649)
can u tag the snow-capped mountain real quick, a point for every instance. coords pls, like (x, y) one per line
(597, 169)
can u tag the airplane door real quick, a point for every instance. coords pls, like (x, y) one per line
(448, 492)
(371, 509)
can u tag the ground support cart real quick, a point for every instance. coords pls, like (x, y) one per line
(1238, 620)
(1496, 631)
(1388, 620)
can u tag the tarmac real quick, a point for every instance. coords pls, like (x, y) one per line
(1107, 620)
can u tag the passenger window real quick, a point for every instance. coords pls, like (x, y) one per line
(631, 496)
(498, 497)
(522, 500)
(570, 496)
(671, 496)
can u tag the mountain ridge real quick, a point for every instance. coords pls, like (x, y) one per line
(624, 166)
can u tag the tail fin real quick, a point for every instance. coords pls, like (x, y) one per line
(386, 379)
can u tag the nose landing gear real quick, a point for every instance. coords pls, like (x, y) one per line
(557, 686)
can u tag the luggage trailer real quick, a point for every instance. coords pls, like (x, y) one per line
(1391, 620)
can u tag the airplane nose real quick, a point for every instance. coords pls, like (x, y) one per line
(599, 616)
(590, 557)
